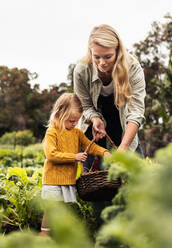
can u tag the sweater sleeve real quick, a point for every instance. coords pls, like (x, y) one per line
(51, 152)
(94, 149)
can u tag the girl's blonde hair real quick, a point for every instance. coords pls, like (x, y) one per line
(104, 35)
(67, 104)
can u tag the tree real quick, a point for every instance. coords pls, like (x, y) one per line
(154, 53)
(20, 104)
(14, 90)
(25, 107)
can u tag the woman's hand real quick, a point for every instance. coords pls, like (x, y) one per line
(98, 128)
(81, 156)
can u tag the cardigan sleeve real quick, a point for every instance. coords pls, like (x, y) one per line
(82, 89)
(136, 106)
(94, 149)
(51, 152)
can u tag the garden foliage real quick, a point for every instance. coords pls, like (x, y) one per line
(141, 214)
(18, 193)
(66, 231)
(30, 156)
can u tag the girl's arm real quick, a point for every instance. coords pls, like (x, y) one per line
(51, 152)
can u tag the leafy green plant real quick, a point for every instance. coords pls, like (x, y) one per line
(33, 149)
(86, 213)
(27, 157)
(9, 153)
(19, 188)
(26, 240)
(67, 230)
(145, 218)
(18, 198)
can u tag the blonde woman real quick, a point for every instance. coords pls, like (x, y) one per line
(111, 86)
(62, 145)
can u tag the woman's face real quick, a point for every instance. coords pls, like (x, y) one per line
(103, 57)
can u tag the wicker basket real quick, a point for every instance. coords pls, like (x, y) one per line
(94, 186)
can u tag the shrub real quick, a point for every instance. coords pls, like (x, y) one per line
(23, 138)
(8, 138)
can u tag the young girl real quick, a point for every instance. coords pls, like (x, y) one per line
(62, 144)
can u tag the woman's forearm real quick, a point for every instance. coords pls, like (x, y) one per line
(130, 132)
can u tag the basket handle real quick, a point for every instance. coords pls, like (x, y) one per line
(111, 141)
(86, 150)
(88, 147)
(113, 144)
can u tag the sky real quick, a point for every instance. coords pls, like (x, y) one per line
(45, 36)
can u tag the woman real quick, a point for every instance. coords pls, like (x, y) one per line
(111, 86)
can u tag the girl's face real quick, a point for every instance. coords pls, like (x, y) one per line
(103, 57)
(72, 121)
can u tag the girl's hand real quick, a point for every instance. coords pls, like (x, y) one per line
(98, 128)
(106, 154)
(81, 156)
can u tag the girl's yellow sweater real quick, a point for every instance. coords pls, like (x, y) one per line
(60, 166)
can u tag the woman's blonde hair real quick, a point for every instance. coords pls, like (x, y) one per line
(104, 35)
(67, 104)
